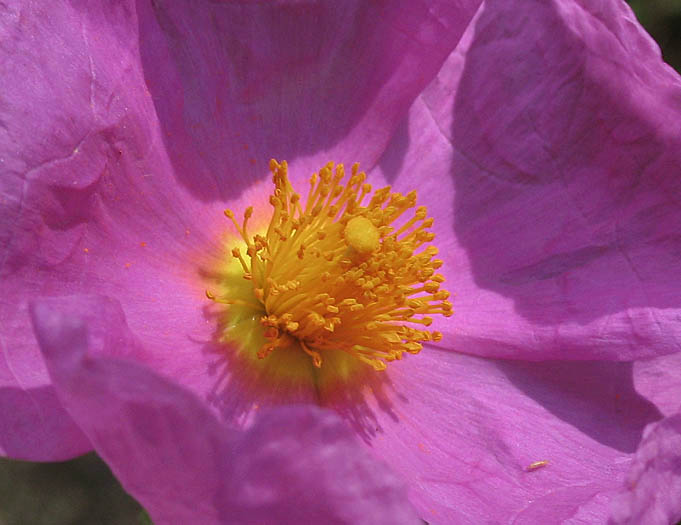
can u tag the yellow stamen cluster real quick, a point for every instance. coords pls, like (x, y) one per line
(334, 275)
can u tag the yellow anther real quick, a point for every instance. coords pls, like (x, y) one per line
(432, 286)
(441, 295)
(335, 273)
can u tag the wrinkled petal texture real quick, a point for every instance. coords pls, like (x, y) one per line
(302, 81)
(297, 464)
(92, 204)
(659, 380)
(117, 157)
(464, 432)
(556, 128)
(303, 465)
(143, 426)
(653, 486)
(525, 77)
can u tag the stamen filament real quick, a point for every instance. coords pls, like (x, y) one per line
(336, 275)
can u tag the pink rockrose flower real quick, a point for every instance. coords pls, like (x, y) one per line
(541, 137)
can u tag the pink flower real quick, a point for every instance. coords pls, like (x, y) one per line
(546, 147)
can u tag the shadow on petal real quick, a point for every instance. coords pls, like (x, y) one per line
(392, 160)
(39, 427)
(243, 384)
(566, 194)
(598, 398)
(237, 84)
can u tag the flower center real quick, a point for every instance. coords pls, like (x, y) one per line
(335, 275)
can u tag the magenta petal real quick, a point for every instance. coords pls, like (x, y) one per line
(556, 129)
(237, 83)
(659, 380)
(56, 436)
(90, 203)
(171, 453)
(34, 425)
(464, 433)
(303, 465)
(652, 491)
(161, 442)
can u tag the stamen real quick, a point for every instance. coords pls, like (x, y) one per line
(335, 275)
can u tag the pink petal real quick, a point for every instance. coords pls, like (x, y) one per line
(57, 437)
(303, 465)
(34, 424)
(464, 433)
(659, 380)
(161, 442)
(547, 150)
(652, 492)
(86, 186)
(171, 452)
(236, 84)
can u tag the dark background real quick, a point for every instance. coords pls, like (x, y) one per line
(662, 19)
(83, 491)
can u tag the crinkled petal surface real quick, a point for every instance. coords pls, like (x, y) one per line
(464, 432)
(653, 486)
(92, 204)
(306, 81)
(549, 144)
(162, 443)
(125, 127)
(298, 464)
(659, 380)
(303, 465)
